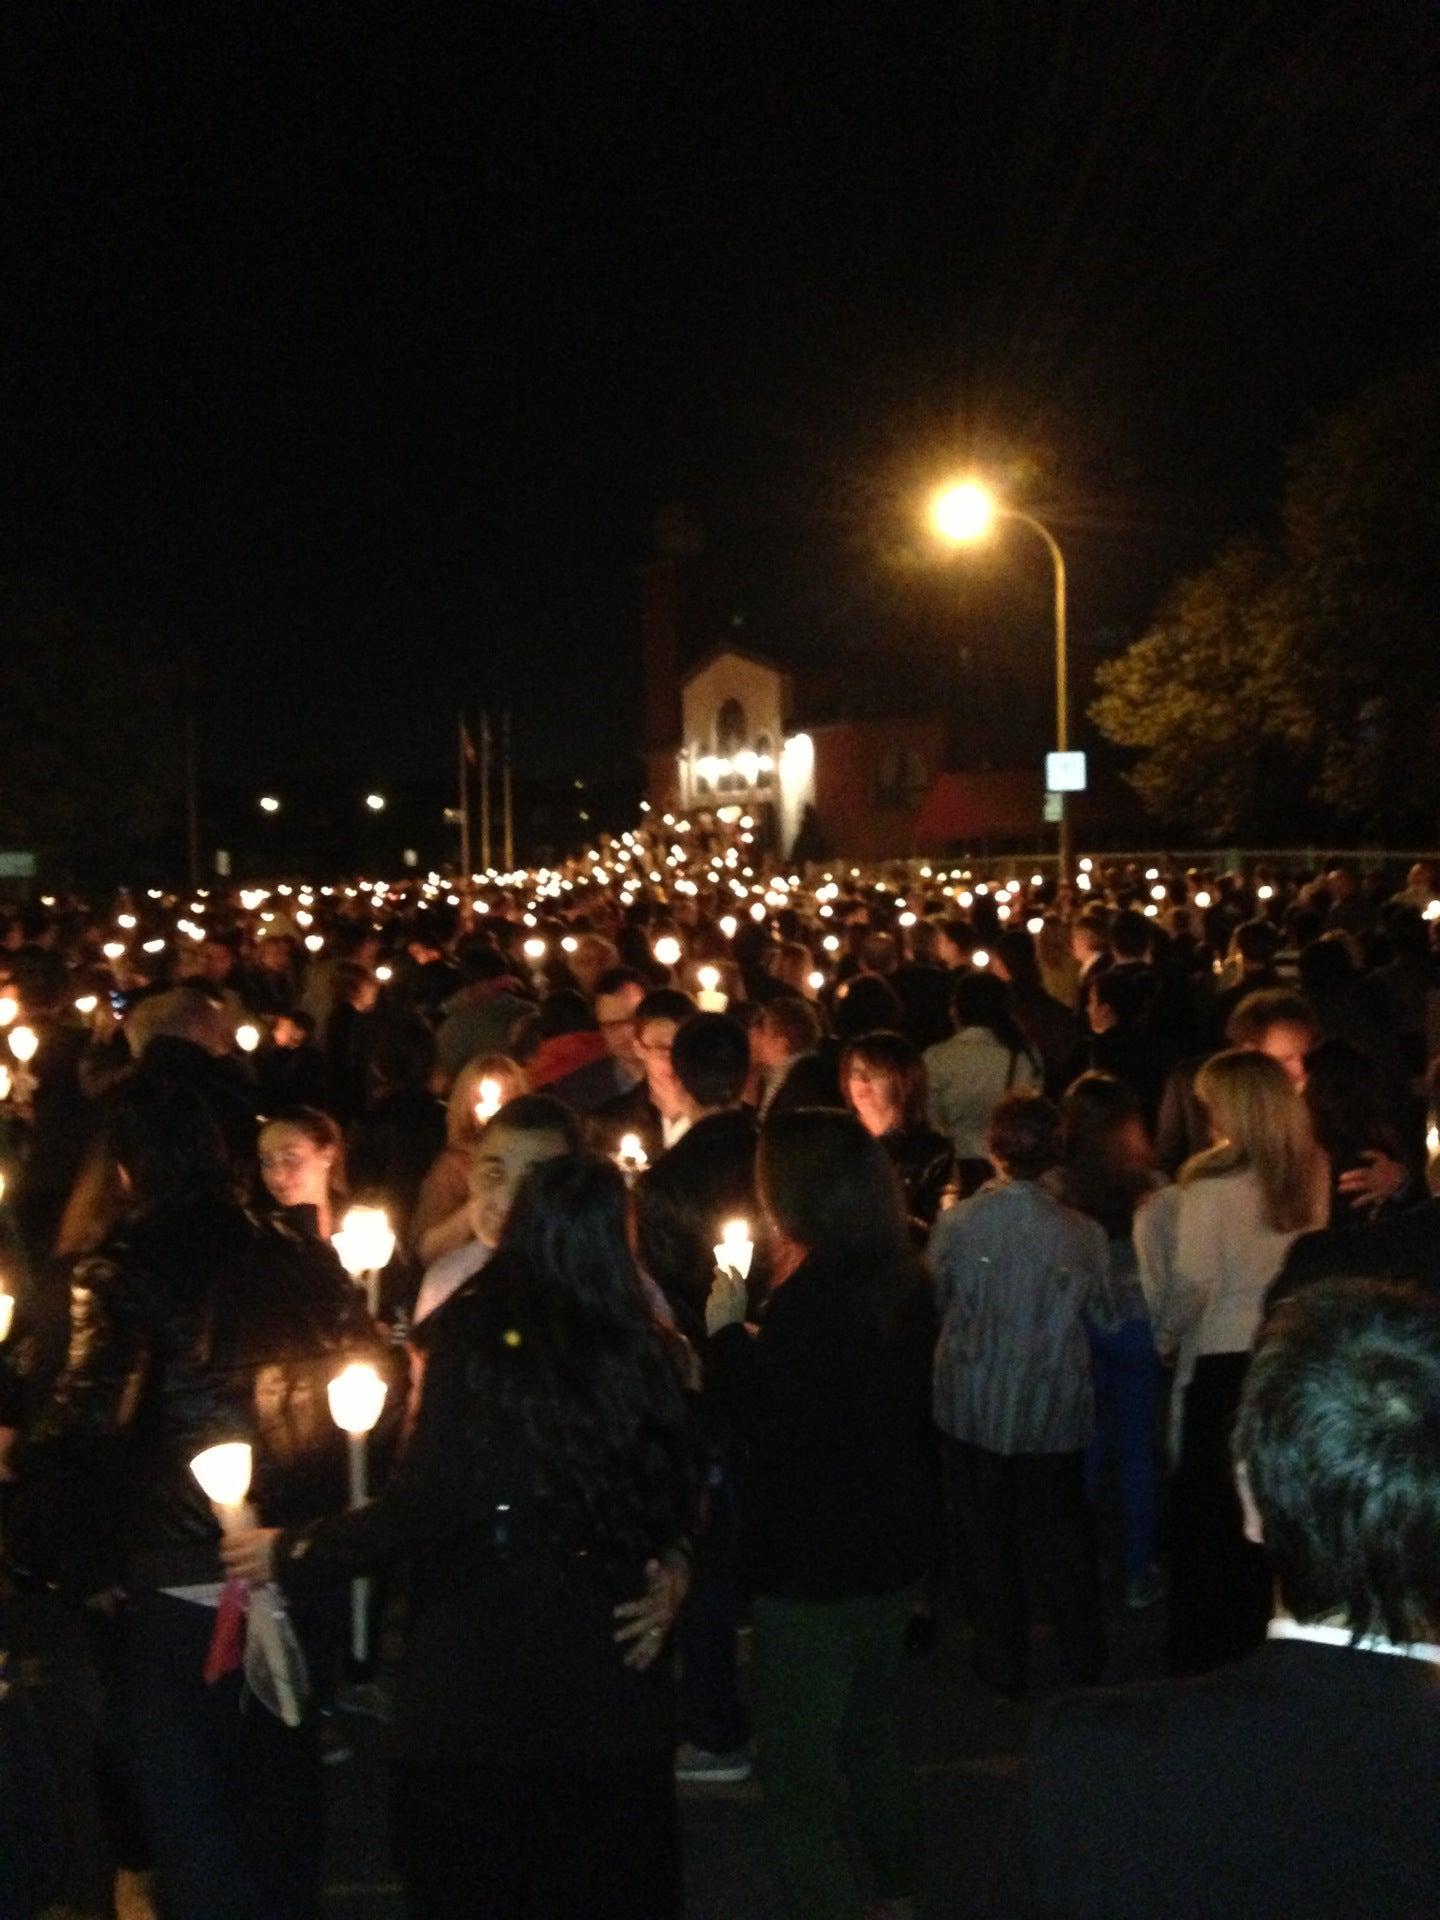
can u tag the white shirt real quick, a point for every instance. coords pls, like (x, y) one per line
(447, 1275)
(1286, 1629)
(673, 1130)
(1206, 1259)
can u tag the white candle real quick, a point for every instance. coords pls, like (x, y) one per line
(736, 1249)
(708, 997)
(224, 1476)
(365, 1242)
(631, 1158)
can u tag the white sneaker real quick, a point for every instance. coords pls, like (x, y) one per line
(718, 1769)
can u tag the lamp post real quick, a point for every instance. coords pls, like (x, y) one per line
(964, 513)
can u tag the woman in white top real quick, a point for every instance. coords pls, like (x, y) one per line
(985, 1058)
(1205, 1263)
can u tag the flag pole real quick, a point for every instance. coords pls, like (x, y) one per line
(509, 795)
(464, 803)
(485, 791)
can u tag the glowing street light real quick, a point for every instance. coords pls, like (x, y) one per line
(375, 802)
(963, 512)
(966, 511)
(268, 803)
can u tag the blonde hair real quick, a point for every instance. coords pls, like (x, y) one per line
(1263, 1126)
(462, 1129)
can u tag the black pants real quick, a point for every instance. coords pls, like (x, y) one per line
(230, 1797)
(713, 1714)
(1025, 1538)
(1219, 1587)
(528, 1843)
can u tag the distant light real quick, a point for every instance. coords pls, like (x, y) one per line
(535, 950)
(757, 912)
(114, 950)
(667, 950)
(153, 946)
(375, 802)
(1265, 893)
(24, 1044)
(247, 1037)
(9, 1009)
(979, 958)
(817, 981)
(126, 920)
(314, 942)
(382, 974)
(1202, 899)
(268, 803)
(569, 944)
(1157, 892)
(1086, 865)
(87, 1003)
(730, 926)
(1035, 925)
(831, 943)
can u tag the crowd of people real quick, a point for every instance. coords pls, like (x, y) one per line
(787, 1269)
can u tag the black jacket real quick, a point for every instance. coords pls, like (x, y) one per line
(196, 1323)
(510, 1657)
(705, 1179)
(833, 1412)
(1298, 1785)
(1401, 1246)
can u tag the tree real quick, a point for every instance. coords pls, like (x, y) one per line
(1304, 673)
(90, 735)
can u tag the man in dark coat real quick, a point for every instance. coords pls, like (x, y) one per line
(1300, 1780)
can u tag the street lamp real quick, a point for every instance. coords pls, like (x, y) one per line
(965, 512)
(375, 802)
(268, 803)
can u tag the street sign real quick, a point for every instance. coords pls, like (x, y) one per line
(1065, 773)
(17, 866)
(1054, 808)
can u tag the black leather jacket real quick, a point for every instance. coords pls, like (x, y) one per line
(197, 1322)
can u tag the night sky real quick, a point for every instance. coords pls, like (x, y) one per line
(359, 345)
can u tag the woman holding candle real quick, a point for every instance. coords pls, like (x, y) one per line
(830, 1394)
(547, 1474)
(195, 1323)
(442, 1218)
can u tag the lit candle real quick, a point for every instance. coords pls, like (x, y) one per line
(247, 1037)
(24, 1044)
(9, 1009)
(357, 1398)
(667, 950)
(631, 1158)
(490, 1101)
(709, 998)
(736, 1249)
(365, 1243)
(224, 1476)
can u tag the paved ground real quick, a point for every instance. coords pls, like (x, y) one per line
(967, 1746)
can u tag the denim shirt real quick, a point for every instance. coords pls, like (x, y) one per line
(1014, 1273)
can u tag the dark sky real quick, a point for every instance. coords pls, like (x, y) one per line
(359, 344)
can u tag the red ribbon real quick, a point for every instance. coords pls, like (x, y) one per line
(227, 1642)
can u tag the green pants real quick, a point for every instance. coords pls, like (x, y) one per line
(826, 1675)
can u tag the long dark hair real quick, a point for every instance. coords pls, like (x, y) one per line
(168, 1143)
(571, 1364)
(833, 1190)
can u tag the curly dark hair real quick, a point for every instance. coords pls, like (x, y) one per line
(572, 1364)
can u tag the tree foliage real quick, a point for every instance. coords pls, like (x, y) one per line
(90, 733)
(1303, 672)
